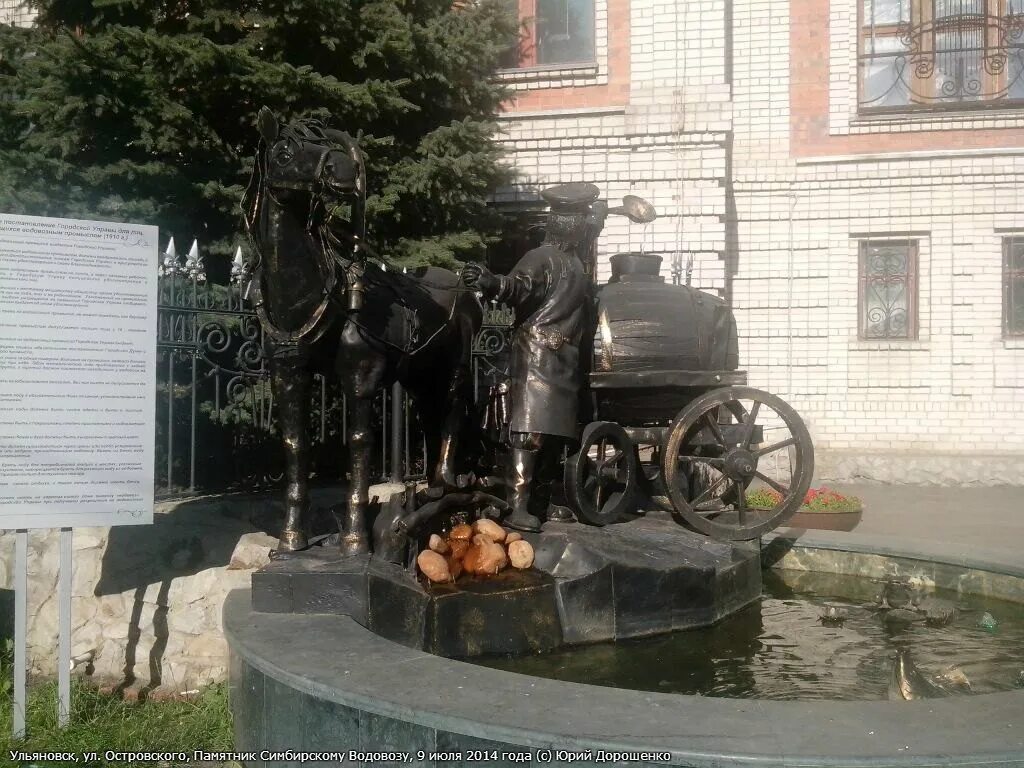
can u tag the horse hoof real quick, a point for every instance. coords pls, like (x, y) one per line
(292, 541)
(353, 544)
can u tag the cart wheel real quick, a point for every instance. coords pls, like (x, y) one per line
(601, 478)
(736, 465)
(693, 481)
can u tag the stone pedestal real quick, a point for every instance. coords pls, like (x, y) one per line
(643, 577)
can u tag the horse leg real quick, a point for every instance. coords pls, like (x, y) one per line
(363, 371)
(431, 420)
(458, 403)
(459, 399)
(291, 382)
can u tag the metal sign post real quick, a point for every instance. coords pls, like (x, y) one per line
(20, 630)
(64, 579)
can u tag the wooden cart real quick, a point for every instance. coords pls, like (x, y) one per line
(674, 423)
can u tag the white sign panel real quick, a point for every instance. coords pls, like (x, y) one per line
(77, 372)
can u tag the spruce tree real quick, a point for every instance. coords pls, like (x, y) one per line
(144, 110)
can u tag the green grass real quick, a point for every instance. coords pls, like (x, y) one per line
(103, 721)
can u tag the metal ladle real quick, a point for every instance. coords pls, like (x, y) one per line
(636, 209)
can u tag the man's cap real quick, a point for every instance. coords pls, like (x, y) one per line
(575, 197)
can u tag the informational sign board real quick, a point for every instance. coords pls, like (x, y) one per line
(78, 314)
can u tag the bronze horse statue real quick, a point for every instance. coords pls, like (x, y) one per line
(324, 305)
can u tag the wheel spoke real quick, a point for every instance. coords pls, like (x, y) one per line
(775, 447)
(748, 432)
(773, 483)
(712, 421)
(614, 457)
(709, 491)
(714, 461)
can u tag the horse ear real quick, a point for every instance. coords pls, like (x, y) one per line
(267, 124)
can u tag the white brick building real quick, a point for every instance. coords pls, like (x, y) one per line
(774, 164)
(15, 12)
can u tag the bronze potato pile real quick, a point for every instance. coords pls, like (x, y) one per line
(483, 549)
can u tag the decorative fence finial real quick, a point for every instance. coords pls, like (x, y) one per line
(237, 266)
(170, 265)
(194, 264)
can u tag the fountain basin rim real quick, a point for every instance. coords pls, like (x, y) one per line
(368, 673)
(1004, 562)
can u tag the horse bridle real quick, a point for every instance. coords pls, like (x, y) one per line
(329, 264)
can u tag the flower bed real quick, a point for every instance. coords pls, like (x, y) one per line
(823, 508)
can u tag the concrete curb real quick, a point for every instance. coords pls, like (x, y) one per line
(379, 687)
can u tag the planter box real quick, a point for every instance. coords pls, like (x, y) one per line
(825, 521)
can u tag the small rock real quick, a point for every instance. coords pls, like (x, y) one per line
(438, 544)
(512, 536)
(833, 615)
(897, 594)
(988, 621)
(433, 566)
(485, 557)
(490, 529)
(461, 531)
(252, 551)
(458, 548)
(937, 610)
(520, 553)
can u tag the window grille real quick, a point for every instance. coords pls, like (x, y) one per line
(1013, 286)
(941, 53)
(888, 289)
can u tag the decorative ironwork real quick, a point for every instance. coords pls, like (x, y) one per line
(491, 348)
(888, 290)
(1013, 286)
(216, 425)
(923, 53)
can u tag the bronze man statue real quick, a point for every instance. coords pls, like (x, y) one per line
(550, 290)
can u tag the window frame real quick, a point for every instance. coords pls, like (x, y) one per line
(526, 18)
(1009, 275)
(912, 288)
(923, 104)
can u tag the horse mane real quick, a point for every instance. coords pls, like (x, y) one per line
(253, 205)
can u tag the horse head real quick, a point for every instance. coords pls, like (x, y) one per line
(311, 170)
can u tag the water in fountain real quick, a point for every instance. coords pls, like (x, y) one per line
(782, 649)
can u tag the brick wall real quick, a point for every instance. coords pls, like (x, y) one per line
(807, 178)
(14, 12)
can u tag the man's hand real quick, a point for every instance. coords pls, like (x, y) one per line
(480, 277)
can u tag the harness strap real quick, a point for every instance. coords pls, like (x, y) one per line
(302, 334)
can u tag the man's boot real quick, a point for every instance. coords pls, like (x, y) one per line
(524, 463)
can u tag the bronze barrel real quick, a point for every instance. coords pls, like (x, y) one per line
(657, 345)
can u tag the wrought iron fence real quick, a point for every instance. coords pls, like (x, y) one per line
(216, 426)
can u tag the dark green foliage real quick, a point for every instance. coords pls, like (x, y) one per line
(144, 111)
